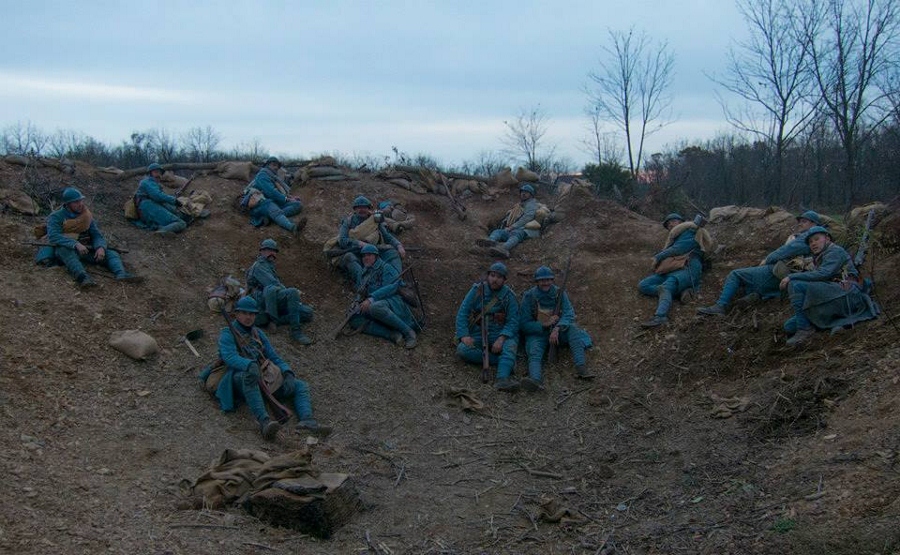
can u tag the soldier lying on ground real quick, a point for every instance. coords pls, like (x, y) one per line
(244, 368)
(830, 296)
(677, 268)
(279, 305)
(495, 300)
(761, 282)
(75, 239)
(512, 230)
(267, 199)
(382, 311)
(546, 317)
(359, 229)
(155, 209)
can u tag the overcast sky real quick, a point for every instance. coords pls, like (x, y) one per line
(353, 77)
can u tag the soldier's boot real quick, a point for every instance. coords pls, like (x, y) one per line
(506, 384)
(531, 385)
(802, 336)
(712, 310)
(409, 340)
(486, 243)
(582, 373)
(171, 229)
(85, 281)
(310, 426)
(686, 296)
(300, 225)
(499, 252)
(125, 277)
(654, 322)
(269, 429)
(300, 337)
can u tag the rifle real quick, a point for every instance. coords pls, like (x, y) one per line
(552, 352)
(485, 348)
(45, 244)
(419, 300)
(282, 414)
(353, 309)
(860, 257)
(183, 187)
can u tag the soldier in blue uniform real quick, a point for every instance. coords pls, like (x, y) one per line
(382, 311)
(512, 231)
(271, 199)
(502, 311)
(241, 379)
(546, 317)
(279, 304)
(75, 239)
(376, 233)
(157, 210)
(830, 296)
(761, 282)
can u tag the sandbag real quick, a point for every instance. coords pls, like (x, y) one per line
(130, 209)
(505, 179)
(18, 201)
(172, 179)
(527, 175)
(134, 343)
(234, 170)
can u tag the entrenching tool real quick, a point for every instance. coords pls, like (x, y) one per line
(192, 336)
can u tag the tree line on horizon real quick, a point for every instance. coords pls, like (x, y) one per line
(816, 121)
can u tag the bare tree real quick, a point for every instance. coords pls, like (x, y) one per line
(602, 146)
(630, 89)
(768, 71)
(202, 142)
(163, 144)
(23, 138)
(524, 138)
(851, 44)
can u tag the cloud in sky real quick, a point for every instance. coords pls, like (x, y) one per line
(351, 76)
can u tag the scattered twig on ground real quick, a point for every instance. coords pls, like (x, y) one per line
(571, 394)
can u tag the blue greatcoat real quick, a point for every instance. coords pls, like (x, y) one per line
(276, 206)
(351, 262)
(829, 296)
(667, 286)
(537, 337)
(277, 303)
(517, 232)
(242, 380)
(388, 312)
(63, 248)
(502, 318)
(761, 279)
(155, 207)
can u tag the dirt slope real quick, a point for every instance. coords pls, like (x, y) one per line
(94, 445)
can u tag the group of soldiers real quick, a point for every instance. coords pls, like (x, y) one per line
(825, 291)
(818, 276)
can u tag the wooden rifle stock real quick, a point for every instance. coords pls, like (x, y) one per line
(183, 187)
(553, 350)
(282, 414)
(485, 348)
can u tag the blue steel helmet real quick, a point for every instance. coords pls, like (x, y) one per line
(154, 166)
(385, 204)
(812, 216)
(672, 216)
(272, 160)
(543, 273)
(269, 244)
(528, 189)
(815, 230)
(246, 304)
(498, 268)
(71, 194)
(362, 201)
(369, 248)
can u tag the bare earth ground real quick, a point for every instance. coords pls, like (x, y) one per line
(93, 445)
